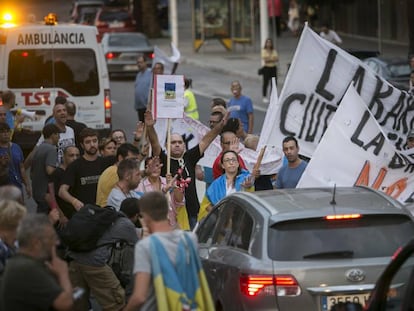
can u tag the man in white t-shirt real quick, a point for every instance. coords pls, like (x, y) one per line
(66, 135)
(330, 35)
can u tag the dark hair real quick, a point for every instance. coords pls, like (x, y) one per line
(290, 138)
(60, 100)
(50, 129)
(125, 148)
(86, 132)
(155, 205)
(4, 126)
(126, 166)
(105, 141)
(232, 125)
(218, 102)
(70, 108)
(66, 149)
(237, 157)
(188, 83)
(271, 41)
(130, 207)
(7, 96)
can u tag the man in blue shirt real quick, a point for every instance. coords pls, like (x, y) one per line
(289, 175)
(241, 107)
(142, 87)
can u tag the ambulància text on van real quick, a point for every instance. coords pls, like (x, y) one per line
(39, 62)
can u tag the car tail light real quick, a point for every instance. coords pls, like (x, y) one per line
(343, 216)
(256, 285)
(111, 55)
(108, 106)
(151, 55)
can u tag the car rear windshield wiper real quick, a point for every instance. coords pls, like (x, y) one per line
(329, 255)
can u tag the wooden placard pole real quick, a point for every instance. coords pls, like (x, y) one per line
(168, 146)
(260, 158)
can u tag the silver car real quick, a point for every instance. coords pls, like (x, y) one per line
(121, 50)
(300, 249)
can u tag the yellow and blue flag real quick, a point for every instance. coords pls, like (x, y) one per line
(183, 286)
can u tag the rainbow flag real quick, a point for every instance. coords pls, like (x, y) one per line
(183, 286)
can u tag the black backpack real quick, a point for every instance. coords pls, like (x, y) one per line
(122, 261)
(86, 227)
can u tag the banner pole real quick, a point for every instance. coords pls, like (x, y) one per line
(168, 146)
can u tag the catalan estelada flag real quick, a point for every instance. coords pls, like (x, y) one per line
(183, 286)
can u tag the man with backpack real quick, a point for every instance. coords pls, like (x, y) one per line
(89, 268)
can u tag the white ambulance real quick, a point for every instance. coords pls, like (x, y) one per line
(39, 62)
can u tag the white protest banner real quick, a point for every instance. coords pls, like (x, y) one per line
(170, 62)
(193, 131)
(315, 84)
(270, 117)
(349, 155)
(169, 96)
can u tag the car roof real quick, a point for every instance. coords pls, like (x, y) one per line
(289, 204)
(388, 60)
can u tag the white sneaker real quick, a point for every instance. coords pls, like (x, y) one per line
(265, 100)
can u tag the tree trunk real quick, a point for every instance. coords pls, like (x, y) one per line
(149, 14)
(410, 18)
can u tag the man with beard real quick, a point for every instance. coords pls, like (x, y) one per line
(129, 177)
(183, 161)
(81, 177)
(289, 175)
(36, 278)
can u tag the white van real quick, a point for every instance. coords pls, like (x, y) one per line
(41, 61)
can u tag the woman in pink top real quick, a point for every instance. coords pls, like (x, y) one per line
(153, 181)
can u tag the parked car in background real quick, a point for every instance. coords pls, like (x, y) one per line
(114, 20)
(84, 11)
(299, 249)
(121, 50)
(395, 70)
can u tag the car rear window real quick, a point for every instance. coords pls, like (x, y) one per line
(126, 40)
(73, 70)
(114, 16)
(313, 239)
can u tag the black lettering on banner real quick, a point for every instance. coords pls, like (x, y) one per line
(330, 110)
(312, 128)
(400, 160)
(354, 137)
(284, 109)
(378, 142)
(376, 102)
(396, 113)
(358, 79)
(187, 139)
(323, 81)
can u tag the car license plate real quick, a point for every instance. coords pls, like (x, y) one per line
(329, 301)
(131, 68)
(116, 25)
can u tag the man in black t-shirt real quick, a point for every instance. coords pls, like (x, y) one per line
(186, 160)
(75, 125)
(80, 180)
